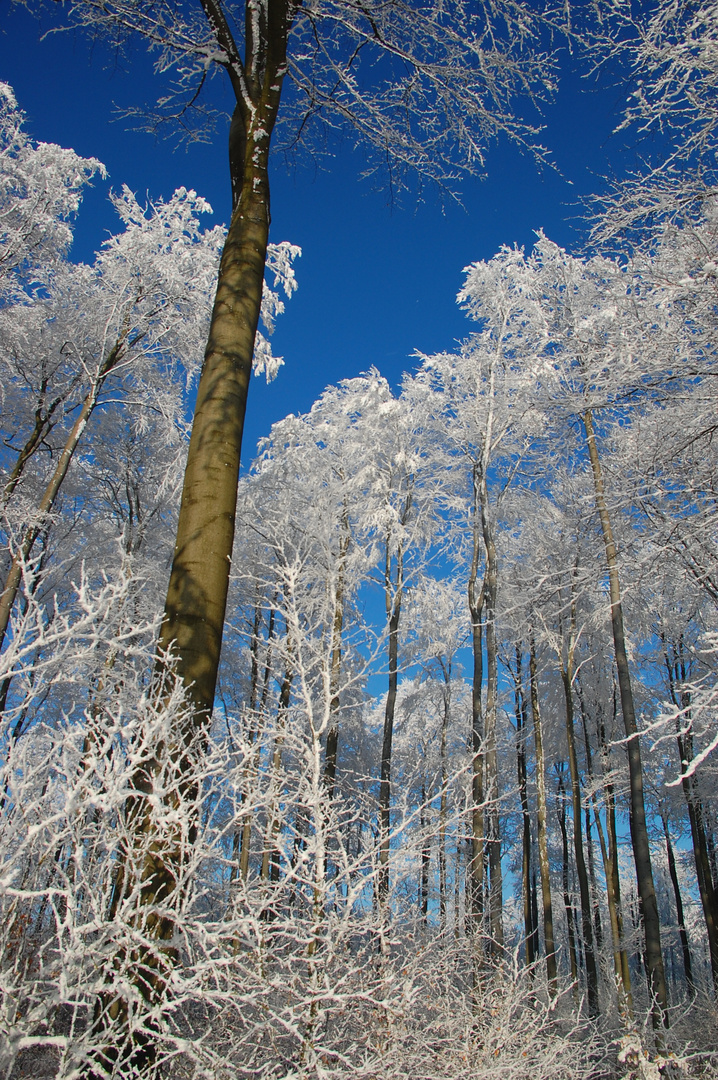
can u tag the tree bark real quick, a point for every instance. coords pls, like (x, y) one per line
(393, 594)
(251, 774)
(526, 870)
(425, 855)
(639, 830)
(677, 674)
(476, 606)
(541, 820)
(443, 798)
(330, 756)
(595, 906)
(567, 673)
(492, 679)
(270, 858)
(568, 906)
(191, 634)
(613, 881)
(685, 949)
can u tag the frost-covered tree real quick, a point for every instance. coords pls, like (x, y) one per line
(41, 188)
(484, 420)
(425, 86)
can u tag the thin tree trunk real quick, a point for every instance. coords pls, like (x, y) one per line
(568, 906)
(476, 606)
(639, 830)
(393, 604)
(393, 594)
(677, 674)
(443, 804)
(615, 880)
(687, 964)
(457, 888)
(443, 798)
(253, 688)
(246, 838)
(567, 676)
(595, 905)
(541, 821)
(526, 870)
(492, 767)
(330, 757)
(270, 854)
(41, 429)
(425, 856)
(14, 577)
(623, 983)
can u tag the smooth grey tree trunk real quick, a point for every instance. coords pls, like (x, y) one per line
(191, 634)
(522, 772)
(567, 902)
(332, 746)
(680, 917)
(677, 675)
(567, 673)
(478, 839)
(639, 829)
(493, 839)
(541, 825)
(393, 595)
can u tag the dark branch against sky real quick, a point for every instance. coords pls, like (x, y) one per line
(376, 281)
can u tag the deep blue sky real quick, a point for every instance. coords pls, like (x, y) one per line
(375, 282)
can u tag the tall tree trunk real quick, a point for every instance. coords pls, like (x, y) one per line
(639, 830)
(197, 593)
(595, 905)
(677, 675)
(330, 756)
(613, 881)
(191, 634)
(567, 903)
(270, 855)
(567, 677)
(260, 711)
(476, 609)
(443, 798)
(584, 892)
(393, 594)
(687, 964)
(526, 870)
(425, 854)
(625, 1002)
(492, 686)
(541, 822)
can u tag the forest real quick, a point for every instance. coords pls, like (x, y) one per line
(390, 756)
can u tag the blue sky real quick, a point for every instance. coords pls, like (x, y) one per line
(376, 282)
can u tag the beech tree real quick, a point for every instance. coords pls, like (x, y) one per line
(192, 894)
(444, 90)
(442, 94)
